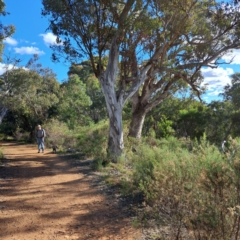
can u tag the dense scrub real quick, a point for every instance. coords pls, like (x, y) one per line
(194, 185)
(187, 185)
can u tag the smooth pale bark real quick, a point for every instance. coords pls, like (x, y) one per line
(115, 139)
(116, 100)
(114, 105)
(136, 125)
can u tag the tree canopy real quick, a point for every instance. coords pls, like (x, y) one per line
(5, 31)
(29, 93)
(153, 47)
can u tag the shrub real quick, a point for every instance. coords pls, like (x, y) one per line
(198, 188)
(59, 134)
(93, 140)
(21, 135)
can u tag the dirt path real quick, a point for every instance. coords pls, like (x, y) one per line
(45, 197)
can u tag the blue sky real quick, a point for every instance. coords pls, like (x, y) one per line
(31, 36)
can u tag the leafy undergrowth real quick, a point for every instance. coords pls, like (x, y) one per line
(180, 189)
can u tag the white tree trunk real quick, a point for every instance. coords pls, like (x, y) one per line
(115, 101)
(115, 139)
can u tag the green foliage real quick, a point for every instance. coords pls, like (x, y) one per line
(5, 31)
(73, 103)
(144, 172)
(176, 38)
(59, 134)
(197, 185)
(219, 121)
(192, 121)
(93, 140)
(97, 164)
(9, 124)
(164, 128)
(232, 92)
(179, 117)
(36, 92)
(97, 110)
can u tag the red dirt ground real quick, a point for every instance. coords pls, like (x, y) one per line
(43, 197)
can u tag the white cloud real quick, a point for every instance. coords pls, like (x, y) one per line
(4, 67)
(10, 41)
(50, 39)
(28, 50)
(233, 56)
(216, 79)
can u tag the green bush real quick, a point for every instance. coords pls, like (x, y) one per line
(93, 140)
(200, 187)
(21, 135)
(164, 128)
(59, 134)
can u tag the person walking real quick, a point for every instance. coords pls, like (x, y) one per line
(40, 135)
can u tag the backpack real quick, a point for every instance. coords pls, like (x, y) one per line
(43, 132)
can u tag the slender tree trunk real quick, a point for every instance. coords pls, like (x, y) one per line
(137, 122)
(140, 108)
(115, 139)
(114, 108)
(138, 117)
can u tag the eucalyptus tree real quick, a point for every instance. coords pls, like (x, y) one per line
(29, 93)
(145, 41)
